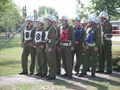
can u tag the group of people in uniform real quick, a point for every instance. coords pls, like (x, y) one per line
(79, 47)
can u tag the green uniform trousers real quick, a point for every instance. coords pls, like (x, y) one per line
(67, 59)
(106, 56)
(42, 62)
(51, 59)
(78, 50)
(26, 51)
(90, 60)
(58, 62)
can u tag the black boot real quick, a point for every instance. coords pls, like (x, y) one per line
(51, 78)
(38, 74)
(65, 75)
(70, 77)
(31, 73)
(100, 71)
(108, 72)
(23, 73)
(81, 75)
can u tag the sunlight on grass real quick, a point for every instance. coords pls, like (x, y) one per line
(10, 64)
(10, 61)
(68, 85)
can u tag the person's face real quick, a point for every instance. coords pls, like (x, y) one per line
(76, 23)
(83, 24)
(63, 22)
(53, 23)
(101, 19)
(48, 21)
(38, 24)
(29, 23)
(90, 23)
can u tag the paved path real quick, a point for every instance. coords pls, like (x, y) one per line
(13, 80)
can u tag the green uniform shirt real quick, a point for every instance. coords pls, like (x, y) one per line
(52, 34)
(106, 28)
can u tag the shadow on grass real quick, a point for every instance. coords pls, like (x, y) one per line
(101, 79)
(90, 83)
(116, 75)
(68, 84)
(65, 82)
(61, 81)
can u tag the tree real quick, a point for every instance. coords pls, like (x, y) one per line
(81, 9)
(109, 6)
(9, 15)
(44, 11)
(5, 5)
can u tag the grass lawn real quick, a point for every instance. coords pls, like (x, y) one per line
(116, 50)
(10, 64)
(10, 61)
(14, 42)
(116, 43)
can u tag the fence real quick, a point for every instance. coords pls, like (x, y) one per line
(10, 54)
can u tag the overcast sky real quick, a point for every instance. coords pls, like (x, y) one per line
(63, 7)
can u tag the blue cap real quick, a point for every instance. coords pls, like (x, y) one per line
(77, 18)
(49, 17)
(64, 18)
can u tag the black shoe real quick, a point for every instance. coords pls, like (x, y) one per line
(81, 75)
(58, 73)
(47, 76)
(31, 73)
(38, 74)
(100, 71)
(51, 78)
(85, 73)
(23, 73)
(70, 77)
(108, 72)
(93, 75)
(65, 75)
(44, 75)
(77, 73)
(88, 70)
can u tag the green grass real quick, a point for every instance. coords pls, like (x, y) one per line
(10, 61)
(10, 64)
(116, 50)
(115, 43)
(14, 42)
(10, 56)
